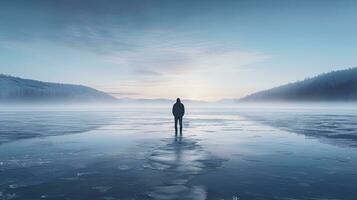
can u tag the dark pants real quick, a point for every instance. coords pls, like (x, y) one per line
(178, 119)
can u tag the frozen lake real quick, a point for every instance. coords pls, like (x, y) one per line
(224, 153)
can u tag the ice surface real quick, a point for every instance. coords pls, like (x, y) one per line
(29, 124)
(339, 129)
(181, 159)
(134, 154)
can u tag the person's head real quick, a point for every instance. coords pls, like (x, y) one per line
(178, 100)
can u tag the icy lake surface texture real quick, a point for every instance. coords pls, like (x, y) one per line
(224, 153)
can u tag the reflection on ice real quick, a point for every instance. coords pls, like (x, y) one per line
(30, 124)
(102, 189)
(339, 129)
(180, 160)
(179, 191)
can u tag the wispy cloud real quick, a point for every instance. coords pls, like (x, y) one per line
(164, 54)
(160, 59)
(143, 51)
(128, 41)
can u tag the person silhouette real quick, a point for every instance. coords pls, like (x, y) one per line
(178, 110)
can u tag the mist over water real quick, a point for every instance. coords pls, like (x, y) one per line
(225, 152)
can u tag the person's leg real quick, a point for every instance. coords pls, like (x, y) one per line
(176, 119)
(180, 119)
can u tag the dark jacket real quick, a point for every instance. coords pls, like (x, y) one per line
(178, 110)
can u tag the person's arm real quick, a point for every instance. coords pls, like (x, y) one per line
(173, 110)
(183, 110)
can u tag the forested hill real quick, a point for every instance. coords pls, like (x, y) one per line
(333, 86)
(14, 89)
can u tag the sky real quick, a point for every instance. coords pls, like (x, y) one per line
(204, 50)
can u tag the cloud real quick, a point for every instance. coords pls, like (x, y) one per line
(140, 49)
(147, 72)
(158, 55)
(131, 35)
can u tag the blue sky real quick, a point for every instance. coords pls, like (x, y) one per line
(167, 49)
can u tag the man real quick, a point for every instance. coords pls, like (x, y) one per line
(178, 110)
